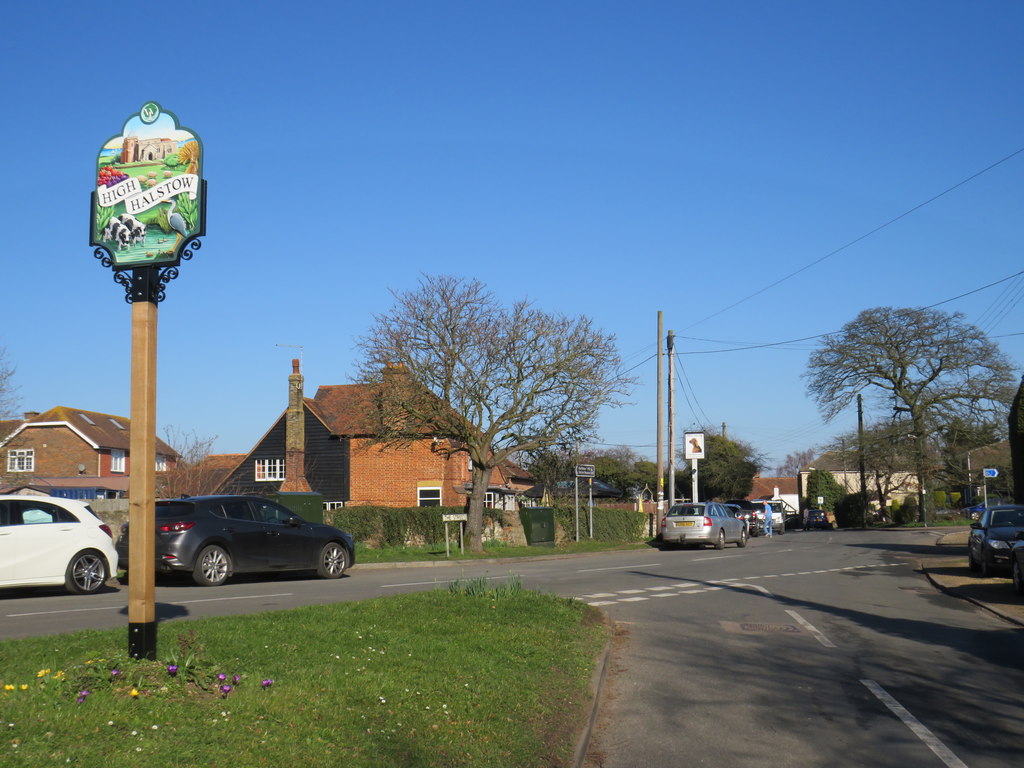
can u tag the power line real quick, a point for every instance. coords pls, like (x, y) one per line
(856, 240)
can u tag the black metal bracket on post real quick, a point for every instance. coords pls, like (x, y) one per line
(142, 640)
(147, 283)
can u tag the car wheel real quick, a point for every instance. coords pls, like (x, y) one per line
(213, 566)
(333, 561)
(86, 573)
(1018, 577)
(720, 541)
(782, 528)
(972, 564)
(743, 539)
(986, 568)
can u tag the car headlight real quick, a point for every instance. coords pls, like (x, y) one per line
(998, 544)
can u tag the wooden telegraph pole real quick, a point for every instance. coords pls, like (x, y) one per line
(129, 224)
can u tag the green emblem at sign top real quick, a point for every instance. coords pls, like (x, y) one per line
(149, 202)
(150, 112)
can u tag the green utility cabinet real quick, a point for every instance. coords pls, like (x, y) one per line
(538, 525)
(308, 506)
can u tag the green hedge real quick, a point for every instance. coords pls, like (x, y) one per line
(396, 526)
(609, 524)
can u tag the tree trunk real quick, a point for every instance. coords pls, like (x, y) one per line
(475, 523)
(1017, 443)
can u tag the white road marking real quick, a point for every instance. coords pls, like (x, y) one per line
(618, 568)
(633, 599)
(819, 636)
(916, 726)
(630, 591)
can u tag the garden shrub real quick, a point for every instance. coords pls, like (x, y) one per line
(397, 526)
(609, 524)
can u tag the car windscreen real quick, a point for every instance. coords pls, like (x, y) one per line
(694, 510)
(1007, 518)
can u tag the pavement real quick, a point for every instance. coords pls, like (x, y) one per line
(948, 571)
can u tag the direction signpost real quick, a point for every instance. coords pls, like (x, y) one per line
(585, 471)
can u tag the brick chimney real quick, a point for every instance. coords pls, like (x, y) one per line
(295, 436)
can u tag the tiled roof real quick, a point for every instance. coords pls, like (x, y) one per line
(346, 409)
(102, 429)
(765, 487)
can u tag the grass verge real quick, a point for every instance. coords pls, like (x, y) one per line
(472, 675)
(436, 552)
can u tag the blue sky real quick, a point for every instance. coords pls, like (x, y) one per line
(611, 159)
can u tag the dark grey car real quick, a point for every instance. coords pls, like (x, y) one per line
(992, 538)
(214, 537)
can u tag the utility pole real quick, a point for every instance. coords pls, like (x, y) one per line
(671, 420)
(656, 520)
(860, 451)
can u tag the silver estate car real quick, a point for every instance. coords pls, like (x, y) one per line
(702, 523)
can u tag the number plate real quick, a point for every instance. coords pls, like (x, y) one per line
(687, 523)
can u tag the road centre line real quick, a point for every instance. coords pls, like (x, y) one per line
(818, 635)
(916, 726)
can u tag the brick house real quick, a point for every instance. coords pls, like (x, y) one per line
(70, 452)
(325, 444)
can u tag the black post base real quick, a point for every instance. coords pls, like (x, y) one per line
(142, 640)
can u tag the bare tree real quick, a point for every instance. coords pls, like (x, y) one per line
(8, 392)
(794, 462)
(192, 474)
(491, 379)
(927, 366)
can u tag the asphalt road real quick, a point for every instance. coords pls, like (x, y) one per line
(811, 649)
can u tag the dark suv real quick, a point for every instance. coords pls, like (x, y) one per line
(213, 537)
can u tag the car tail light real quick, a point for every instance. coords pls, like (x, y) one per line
(176, 527)
(106, 529)
(664, 520)
(707, 521)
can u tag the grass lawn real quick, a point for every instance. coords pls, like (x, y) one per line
(475, 675)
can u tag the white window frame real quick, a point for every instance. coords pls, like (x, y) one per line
(21, 460)
(117, 460)
(490, 500)
(161, 463)
(269, 470)
(420, 499)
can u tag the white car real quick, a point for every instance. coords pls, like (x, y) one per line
(46, 541)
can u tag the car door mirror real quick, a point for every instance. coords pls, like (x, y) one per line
(295, 521)
(975, 525)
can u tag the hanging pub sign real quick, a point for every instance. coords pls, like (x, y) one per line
(149, 204)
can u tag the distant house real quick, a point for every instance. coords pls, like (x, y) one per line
(72, 453)
(326, 444)
(784, 489)
(881, 484)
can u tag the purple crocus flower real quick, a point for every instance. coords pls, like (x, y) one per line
(236, 679)
(172, 669)
(225, 689)
(222, 677)
(115, 672)
(81, 696)
(267, 683)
